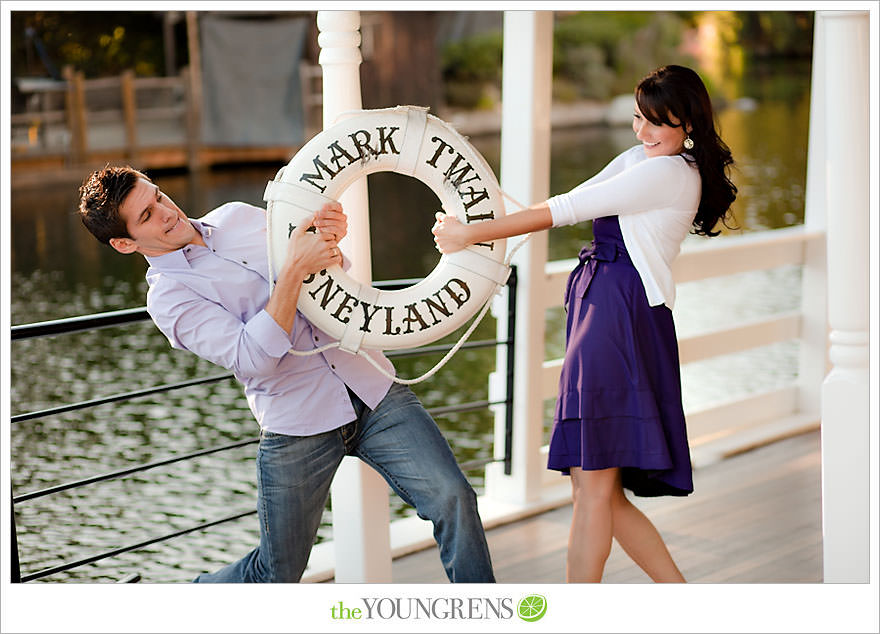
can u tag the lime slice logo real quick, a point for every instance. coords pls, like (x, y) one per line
(532, 607)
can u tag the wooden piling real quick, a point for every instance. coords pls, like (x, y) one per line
(129, 114)
(194, 93)
(76, 115)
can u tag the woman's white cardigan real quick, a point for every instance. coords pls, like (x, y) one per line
(656, 200)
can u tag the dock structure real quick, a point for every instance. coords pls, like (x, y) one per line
(150, 122)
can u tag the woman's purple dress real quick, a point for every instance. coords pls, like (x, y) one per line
(619, 399)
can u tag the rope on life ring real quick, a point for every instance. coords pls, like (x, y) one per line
(406, 140)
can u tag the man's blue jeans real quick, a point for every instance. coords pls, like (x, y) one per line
(398, 439)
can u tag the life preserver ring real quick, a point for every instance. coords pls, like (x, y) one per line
(409, 141)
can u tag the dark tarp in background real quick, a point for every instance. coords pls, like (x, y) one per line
(251, 81)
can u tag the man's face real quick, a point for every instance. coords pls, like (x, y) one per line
(156, 225)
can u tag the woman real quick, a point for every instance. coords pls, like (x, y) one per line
(619, 422)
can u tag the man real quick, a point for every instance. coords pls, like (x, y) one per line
(209, 294)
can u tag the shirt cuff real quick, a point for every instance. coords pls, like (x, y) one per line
(271, 337)
(560, 210)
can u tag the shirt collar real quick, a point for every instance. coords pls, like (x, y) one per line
(205, 228)
(177, 259)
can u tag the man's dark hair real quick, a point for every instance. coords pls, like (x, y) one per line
(100, 197)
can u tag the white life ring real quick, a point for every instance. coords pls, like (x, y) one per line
(409, 141)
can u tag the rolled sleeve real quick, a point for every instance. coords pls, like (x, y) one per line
(266, 332)
(190, 322)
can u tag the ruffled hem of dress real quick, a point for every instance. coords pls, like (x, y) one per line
(619, 441)
(635, 445)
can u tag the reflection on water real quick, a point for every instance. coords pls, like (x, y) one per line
(58, 270)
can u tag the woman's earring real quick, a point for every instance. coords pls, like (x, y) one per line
(688, 143)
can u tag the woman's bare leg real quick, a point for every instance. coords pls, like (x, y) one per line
(589, 540)
(640, 540)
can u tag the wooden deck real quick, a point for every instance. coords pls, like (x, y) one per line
(754, 518)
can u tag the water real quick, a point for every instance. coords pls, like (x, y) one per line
(58, 270)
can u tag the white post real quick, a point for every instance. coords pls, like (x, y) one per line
(525, 175)
(845, 392)
(813, 364)
(340, 60)
(359, 495)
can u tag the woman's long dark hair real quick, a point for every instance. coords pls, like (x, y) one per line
(679, 92)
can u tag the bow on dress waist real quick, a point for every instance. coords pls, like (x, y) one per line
(588, 259)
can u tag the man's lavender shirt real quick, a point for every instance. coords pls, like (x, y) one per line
(211, 301)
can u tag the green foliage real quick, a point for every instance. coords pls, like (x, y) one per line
(605, 53)
(777, 33)
(600, 29)
(600, 54)
(476, 59)
(99, 44)
(471, 70)
(597, 54)
(583, 68)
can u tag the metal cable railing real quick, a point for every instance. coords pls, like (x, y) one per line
(112, 475)
(128, 316)
(113, 398)
(465, 466)
(142, 544)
